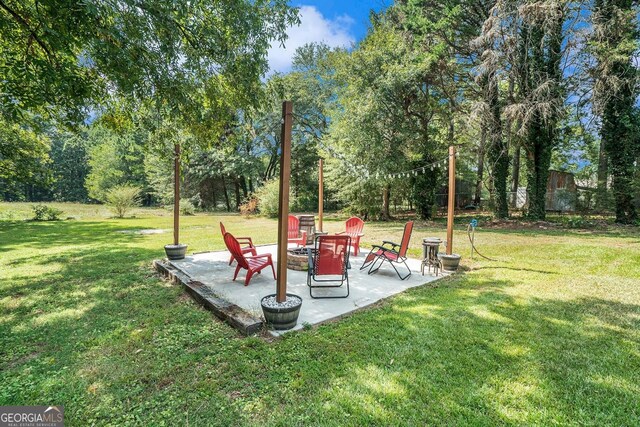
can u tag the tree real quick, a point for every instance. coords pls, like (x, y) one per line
(114, 159)
(69, 166)
(23, 160)
(615, 45)
(391, 115)
(534, 42)
(493, 142)
(67, 54)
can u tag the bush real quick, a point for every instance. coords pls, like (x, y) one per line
(249, 207)
(45, 213)
(268, 198)
(186, 207)
(123, 198)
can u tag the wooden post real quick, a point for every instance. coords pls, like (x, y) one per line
(283, 206)
(320, 195)
(176, 195)
(452, 198)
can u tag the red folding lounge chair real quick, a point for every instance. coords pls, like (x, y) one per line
(329, 262)
(353, 228)
(248, 247)
(391, 252)
(253, 264)
(294, 234)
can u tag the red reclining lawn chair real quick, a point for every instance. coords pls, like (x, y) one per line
(248, 247)
(253, 264)
(294, 234)
(391, 252)
(353, 228)
(329, 259)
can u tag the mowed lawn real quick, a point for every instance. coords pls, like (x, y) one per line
(548, 334)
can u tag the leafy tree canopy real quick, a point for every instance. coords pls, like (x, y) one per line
(68, 54)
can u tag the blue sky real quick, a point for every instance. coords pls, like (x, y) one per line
(334, 22)
(358, 10)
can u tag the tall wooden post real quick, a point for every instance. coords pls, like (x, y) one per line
(452, 198)
(320, 194)
(176, 195)
(283, 206)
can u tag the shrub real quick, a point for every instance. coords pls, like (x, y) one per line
(45, 213)
(249, 207)
(123, 198)
(186, 207)
(268, 198)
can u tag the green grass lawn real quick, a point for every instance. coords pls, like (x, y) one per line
(549, 334)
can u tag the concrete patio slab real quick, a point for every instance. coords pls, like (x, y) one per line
(211, 270)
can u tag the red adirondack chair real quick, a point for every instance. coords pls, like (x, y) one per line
(294, 234)
(253, 264)
(391, 252)
(329, 262)
(353, 228)
(248, 247)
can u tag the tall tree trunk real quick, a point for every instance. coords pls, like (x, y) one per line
(615, 33)
(243, 185)
(480, 174)
(603, 174)
(543, 50)
(539, 151)
(620, 139)
(514, 144)
(498, 151)
(226, 194)
(236, 185)
(272, 165)
(385, 215)
(515, 176)
(214, 202)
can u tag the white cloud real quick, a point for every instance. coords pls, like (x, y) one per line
(314, 27)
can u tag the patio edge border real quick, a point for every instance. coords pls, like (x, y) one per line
(234, 315)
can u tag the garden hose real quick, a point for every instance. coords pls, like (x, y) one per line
(473, 246)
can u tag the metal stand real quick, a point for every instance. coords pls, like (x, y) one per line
(430, 247)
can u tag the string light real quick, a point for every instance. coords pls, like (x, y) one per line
(364, 172)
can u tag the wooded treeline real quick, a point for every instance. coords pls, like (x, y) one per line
(521, 87)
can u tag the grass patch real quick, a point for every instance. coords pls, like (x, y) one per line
(548, 334)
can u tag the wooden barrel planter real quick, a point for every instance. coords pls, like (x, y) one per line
(281, 316)
(308, 224)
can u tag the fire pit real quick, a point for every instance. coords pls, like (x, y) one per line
(298, 259)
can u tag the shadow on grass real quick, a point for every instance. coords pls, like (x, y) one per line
(458, 355)
(106, 338)
(531, 270)
(44, 235)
